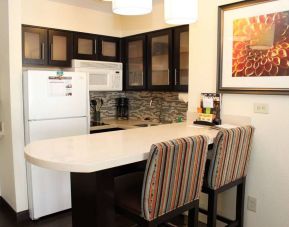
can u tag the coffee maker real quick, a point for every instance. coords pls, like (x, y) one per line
(122, 104)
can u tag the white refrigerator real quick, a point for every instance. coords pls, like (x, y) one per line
(56, 105)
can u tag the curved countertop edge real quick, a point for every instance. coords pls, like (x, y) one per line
(53, 154)
(87, 168)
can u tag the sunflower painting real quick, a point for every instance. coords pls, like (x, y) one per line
(261, 46)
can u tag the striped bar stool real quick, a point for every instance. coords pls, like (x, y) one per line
(170, 186)
(228, 168)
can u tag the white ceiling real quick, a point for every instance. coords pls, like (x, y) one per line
(91, 4)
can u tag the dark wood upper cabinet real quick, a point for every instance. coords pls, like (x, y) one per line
(160, 76)
(181, 58)
(157, 61)
(60, 44)
(34, 46)
(85, 46)
(109, 48)
(135, 63)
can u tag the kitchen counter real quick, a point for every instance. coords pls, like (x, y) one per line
(94, 160)
(95, 152)
(123, 124)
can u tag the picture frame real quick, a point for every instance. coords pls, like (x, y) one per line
(253, 47)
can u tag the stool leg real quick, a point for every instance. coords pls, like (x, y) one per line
(212, 209)
(240, 203)
(193, 218)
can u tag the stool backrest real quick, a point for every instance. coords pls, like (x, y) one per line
(174, 175)
(232, 149)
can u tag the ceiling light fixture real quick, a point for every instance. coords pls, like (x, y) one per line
(181, 11)
(132, 7)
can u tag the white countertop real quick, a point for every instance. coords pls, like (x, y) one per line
(90, 153)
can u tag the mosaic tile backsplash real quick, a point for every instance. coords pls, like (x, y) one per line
(166, 104)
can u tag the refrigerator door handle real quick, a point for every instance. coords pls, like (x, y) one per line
(51, 119)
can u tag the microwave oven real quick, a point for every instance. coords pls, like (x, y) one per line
(103, 76)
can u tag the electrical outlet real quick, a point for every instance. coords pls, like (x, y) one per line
(252, 204)
(261, 108)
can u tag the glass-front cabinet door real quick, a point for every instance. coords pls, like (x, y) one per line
(60, 43)
(160, 60)
(181, 58)
(34, 50)
(109, 48)
(135, 63)
(85, 46)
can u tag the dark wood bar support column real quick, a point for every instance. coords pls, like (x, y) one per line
(92, 199)
(93, 195)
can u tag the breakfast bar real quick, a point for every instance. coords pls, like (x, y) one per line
(94, 161)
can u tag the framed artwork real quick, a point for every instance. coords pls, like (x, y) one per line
(253, 48)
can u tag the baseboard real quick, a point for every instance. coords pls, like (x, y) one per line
(19, 217)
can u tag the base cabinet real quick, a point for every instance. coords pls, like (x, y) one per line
(105, 130)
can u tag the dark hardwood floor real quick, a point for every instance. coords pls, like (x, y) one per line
(7, 219)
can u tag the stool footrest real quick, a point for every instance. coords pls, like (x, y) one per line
(221, 218)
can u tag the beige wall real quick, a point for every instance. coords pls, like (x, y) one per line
(6, 167)
(69, 15)
(203, 57)
(12, 164)
(79, 15)
(15, 46)
(140, 24)
(269, 170)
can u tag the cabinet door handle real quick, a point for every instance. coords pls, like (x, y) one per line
(95, 48)
(51, 51)
(175, 76)
(169, 82)
(42, 51)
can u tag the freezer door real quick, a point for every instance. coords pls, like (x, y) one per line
(49, 191)
(54, 128)
(49, 96)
